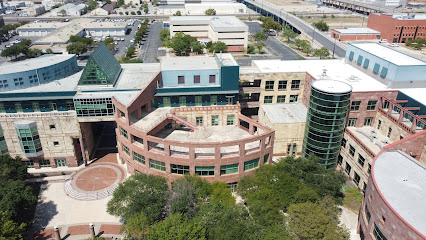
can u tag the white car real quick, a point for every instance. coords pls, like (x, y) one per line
(132, 41)
(383, 41)
(394, 45)
(122, 39)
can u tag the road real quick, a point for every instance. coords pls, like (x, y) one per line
(151, 43)
(272, 45)
(304, 27)
(122, 46)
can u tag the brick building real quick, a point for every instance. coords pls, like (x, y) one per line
(398, 28)
(355, 34)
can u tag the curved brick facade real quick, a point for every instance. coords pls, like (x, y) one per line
(161, 150)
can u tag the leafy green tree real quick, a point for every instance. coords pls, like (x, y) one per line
(289, 34)
(77, 48)
(197, 47)
(139, 193)
(63, 12)
(49, 51)
(130, 51)
(221, 194)
(307, 48)
(322, 26)
(136, 226)
(119, 3)
(250, 48)
(145, 8)
(139, 12)
(184, 199)
(181, 43)
(219, 47)
(177, 227)
(409, 43)
(269, 23)
(164, 34)
(321, 52)
(316, 220)
(177, 13)
(92, 5)
(260, 36)
(10, 230)
(260, 46)
(210, 12)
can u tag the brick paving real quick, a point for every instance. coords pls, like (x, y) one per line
(110, 229)
(103, 156)
(80, 232)
(96, 178)
(45, 234)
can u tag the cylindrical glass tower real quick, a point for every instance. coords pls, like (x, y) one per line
(325, 123)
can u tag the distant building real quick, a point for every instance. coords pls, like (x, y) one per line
(99, 12)
(132, 2)
(398, 27)
(182, 2)
(199, 9)
(109, 7)
(354, 34)
(228, 29)
(34, 11)
(70, 10)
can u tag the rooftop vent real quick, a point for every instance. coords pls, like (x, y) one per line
(324, 72)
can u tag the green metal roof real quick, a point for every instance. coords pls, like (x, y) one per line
(101, 69)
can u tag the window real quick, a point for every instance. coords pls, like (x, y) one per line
(379, 124)
(401, 137)
(199, 121)
(356, 178)
(212, 79)
(44, 162)
(295, 84)
(389, 132)
(268, 99)
(352, 122)
(126, 150)
(376, 68)
(281, 99)
(18, 81)
(197, 79)
(378, 235)
(166, 102)
(18, 107)
(366, 63)
(213, 100)
(182, 101)
(293, 98)
(351, 150)
(384, 72)
(359, 61)
(198, 101)
(157, 165)
(51, 127)
(251, 164)
(343, 143)
(367, 213)
(204, 171)
(265, 158)
(294, 149)
(361, 160)
(123, 133)
(368, 121)
(282, 85)
(229, 169)
(364, 187)
(138, 158)
(288, 149)
(355, 105)
(29, 163)
(386, 104)
(369, 168)
(339, 160)
(55, 143)
(138, 140)
(29, 140)
(3, 84)
(269, 85)
(230, 120)
(61, 163)
(348, 169)
(179, 169)
(371, 105)
(351, 56)
(181, 80)
(215, 120)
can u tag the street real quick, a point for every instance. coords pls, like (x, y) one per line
(151, 43)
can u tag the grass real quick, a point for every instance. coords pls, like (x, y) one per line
(352, 199)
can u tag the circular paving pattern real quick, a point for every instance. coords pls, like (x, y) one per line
(95, 181)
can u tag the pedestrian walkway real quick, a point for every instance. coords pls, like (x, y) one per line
(81, 231)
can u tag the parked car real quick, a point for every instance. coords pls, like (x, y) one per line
(383, 41)
(394, 45)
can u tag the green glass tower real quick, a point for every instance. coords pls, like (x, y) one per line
(325, 123)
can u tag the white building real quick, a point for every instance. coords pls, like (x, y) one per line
(196, 9)
(227, 29)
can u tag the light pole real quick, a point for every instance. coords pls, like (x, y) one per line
(334, 46)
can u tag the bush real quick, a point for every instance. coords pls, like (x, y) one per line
(139, 12)
(127, 13)
(322, 26)
(121, 13)
(210, 12)
(133, 13)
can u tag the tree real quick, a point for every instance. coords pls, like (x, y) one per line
(10, 230)
(316, 220)
(210, 12)
(183, 199)
(136, 226)
(321, 52)
(49, 51)
(322, 26)
(250, 48)
(132, 13)
(260, 36)
(77, 48)
(181, 43)
(177, 227)
(164, 34)
(119, 3)
(139, 193)
(63, 12)
(197, 47)
(219, 47)
(177, 13)
(307, 48)
(92, 5)
(289, 34)
(145, 8)
(221, 194)
(269, 23)
(13, 51)
(139, 12)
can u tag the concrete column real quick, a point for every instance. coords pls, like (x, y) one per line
(83, 152)
(242, 149)
(148, 107)
(92, 230)
(390, 107)
(139, 113)
(414, 125)
(401, 116)
(191, 153)
(251, 128)
(57, 234)
(166, 149)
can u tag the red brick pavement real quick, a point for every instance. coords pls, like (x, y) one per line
(110, 229)
(96, 178)
(78, 230)
(105, 229)
(46, 234)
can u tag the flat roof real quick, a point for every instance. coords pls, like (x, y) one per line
(188, 63)
(34, 63)
(226, 59)
(418, 94)
(373, 139)
(402, 182)
(335, 69)
(222, 23)
(332, 86)
(43, 25)
(361, 30)
(388, 54)
(285, 112)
